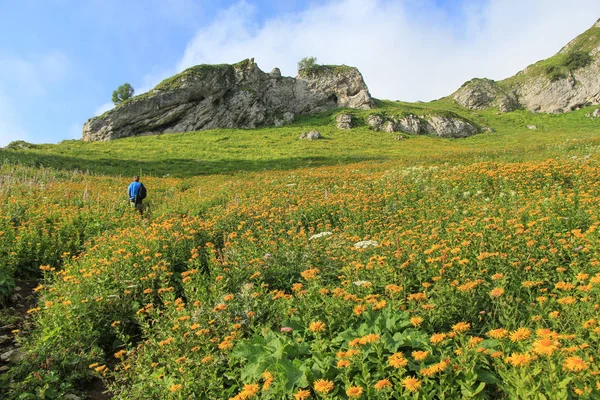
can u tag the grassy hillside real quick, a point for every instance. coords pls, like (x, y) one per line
(359, 266)
(230, 150)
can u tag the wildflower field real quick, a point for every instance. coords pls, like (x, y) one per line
(369, 280)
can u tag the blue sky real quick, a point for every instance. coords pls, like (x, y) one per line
(60, 60)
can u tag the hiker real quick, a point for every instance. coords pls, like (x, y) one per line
(136, 192)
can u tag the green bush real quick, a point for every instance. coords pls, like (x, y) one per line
(306, 65)
(577, 60)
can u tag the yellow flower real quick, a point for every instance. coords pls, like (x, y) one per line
(317, 326)
(354, 391)
(323, 386)
(461, 327)
(519, 359)
(416, 321)
(301, 394)
(382, 384)
(574, 364)
(420, 355)
(545, 347)
(520, 334)
(437, 338)
(497, 333)
(397, 360)
(411, 384)
(343, 363)
(175, 388)
(496, 292)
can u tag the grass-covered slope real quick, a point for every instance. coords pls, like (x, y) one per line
(230, 150)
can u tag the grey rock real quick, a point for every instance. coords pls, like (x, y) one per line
(596, 113)
(312, 135)
(16, 297)
(388, 127)
(229, 96)
(8, 327)
(18, 288)
(532, 127)
(4, 369)
(13, 356)
(479, 94)
(344, 121)
(71, 397)
(410, 124)
(450, 127)
(375, 121)
(276, 72)
(5, 339)
(288, 117)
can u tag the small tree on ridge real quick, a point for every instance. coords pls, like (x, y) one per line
(123, 92)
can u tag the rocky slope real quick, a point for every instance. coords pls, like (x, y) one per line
(230, 96)
(565, 82)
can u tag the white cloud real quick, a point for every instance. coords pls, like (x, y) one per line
(401, 55)
(32, 76)
(104, 108)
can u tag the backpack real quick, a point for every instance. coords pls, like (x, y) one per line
(142, 192)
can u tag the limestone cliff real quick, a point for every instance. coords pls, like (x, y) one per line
(565, 82)
(230, 96)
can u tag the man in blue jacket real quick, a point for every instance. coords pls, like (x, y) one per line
(137, 192)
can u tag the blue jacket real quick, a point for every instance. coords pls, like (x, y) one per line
(133, 190)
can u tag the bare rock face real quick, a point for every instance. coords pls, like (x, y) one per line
(344, 121)
(447, 126)
(565, 82)
(230, 96)
(479, 94)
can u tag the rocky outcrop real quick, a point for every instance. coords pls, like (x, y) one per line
(344, 121)
(479, 94)
(447, 126)
(565, 82)
(230, 96)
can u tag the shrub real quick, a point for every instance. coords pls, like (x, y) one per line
(123, 92)
(577, 60)
(306, 65)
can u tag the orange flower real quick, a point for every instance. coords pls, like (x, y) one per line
(382, 384)
(574, 364)
(520, 334)
(416, 321)
(519, 359)
(411, 384)
(323, 386)
(420, 355)
(397, 360)
(354, 391)
(496, 292)
(461, 327)
(317, 326)
(301, 394)
(497, 333)
(545, 347)
(437, 338)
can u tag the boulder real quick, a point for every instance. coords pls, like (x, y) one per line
(388, 127)
(312, 135)
(532, 127)
(12, 356)
(344, 121)
(596, 113)
(410, 124)
(230, 96)
(375, 121)
(479, 94)
(450, 127)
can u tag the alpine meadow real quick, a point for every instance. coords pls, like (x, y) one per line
(303, 240)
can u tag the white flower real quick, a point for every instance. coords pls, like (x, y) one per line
(320, 235)
(360, 283)
(365, 243)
